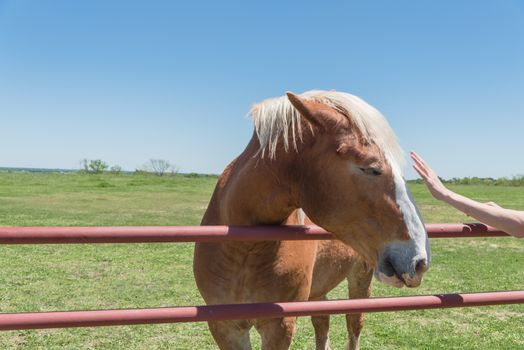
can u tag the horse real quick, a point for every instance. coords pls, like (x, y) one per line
(336, 157)
(334, 262)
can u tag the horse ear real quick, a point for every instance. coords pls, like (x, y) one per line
(316, 113)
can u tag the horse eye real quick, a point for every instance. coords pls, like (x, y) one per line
(371, 171)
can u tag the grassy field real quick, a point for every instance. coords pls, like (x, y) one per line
(69, 277)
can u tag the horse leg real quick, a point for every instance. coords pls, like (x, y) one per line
(276, 333)
(321, 325)
(359, 286)
(231, 335)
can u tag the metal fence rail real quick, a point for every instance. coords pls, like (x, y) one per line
(158, 234)
(98, 318)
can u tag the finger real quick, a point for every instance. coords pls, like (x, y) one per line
(423, 161)
(420, 165)
(417, 170)
(420, 159)
(414, 155)
(421, 171)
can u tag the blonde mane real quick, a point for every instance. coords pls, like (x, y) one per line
(276, 119)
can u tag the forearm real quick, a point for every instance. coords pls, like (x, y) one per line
(507, 220)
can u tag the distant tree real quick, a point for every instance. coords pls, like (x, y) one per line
(159, 167)
(140, 171)
(96, 166)
(115, 169)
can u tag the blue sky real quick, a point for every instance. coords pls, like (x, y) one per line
(126, 81)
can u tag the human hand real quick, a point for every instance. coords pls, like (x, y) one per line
(429, 176)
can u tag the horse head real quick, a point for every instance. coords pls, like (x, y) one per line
(352, 185)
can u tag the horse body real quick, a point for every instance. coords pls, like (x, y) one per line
(248, 193)
(342, 173)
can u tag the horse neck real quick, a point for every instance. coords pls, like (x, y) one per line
(254, 191)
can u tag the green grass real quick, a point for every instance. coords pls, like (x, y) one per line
(72, 277)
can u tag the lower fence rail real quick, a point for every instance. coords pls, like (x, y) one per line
(96, 318)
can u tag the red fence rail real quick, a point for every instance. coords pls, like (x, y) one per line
(97, 318)
(158, 234)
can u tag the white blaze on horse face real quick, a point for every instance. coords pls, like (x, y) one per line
(404, 262)
(412, 218)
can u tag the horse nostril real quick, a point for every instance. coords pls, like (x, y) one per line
(390, 270)
(421, 266)
(388, 267)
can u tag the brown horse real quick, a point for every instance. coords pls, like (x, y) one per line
(334, 262)
(335, 157)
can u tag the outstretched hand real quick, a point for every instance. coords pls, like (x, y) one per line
(429, 176)
(507, 220)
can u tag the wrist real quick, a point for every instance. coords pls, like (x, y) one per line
(457, 201)
(446, 195)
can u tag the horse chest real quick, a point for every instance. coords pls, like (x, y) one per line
(266, 271)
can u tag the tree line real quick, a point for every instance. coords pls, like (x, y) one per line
(158, 167)
(486, 181)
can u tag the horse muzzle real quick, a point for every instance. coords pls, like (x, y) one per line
(395, 273)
